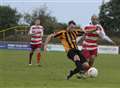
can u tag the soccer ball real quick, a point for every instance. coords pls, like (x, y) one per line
(92, 72)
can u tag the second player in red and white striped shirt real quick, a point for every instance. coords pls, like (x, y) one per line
(92, 34)
(36, 33)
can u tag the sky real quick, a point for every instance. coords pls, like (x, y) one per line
(64, 10)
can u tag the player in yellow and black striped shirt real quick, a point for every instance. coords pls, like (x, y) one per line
(68, 39)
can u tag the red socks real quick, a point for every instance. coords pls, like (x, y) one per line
(38, 58)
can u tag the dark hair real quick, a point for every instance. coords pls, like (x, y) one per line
(36, 19)
(71, 22)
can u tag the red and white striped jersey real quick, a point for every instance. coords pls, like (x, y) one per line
(36, 33)
(90, 41)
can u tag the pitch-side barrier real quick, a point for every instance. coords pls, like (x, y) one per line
(56, 47)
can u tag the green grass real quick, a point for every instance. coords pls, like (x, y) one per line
(15, 72)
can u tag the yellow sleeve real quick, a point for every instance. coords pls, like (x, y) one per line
(78, 32)
(58, 34)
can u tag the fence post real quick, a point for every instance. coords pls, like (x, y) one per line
(119, 49)
(4, 36)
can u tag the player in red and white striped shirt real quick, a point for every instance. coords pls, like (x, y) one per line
(89, 45)
(36, 33)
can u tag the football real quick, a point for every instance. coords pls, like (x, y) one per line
(92, 72)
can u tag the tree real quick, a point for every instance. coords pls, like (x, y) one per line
(8, 17)
(110, 16)
(49, 22)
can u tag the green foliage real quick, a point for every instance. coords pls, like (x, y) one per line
(8, 17)
(49, 22)
(110, 16)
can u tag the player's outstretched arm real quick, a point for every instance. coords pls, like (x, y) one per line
(49, 38)
(105, 37)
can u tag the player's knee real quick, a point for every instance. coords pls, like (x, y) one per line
(76, 58)
(86, 65)
(93, 56)
(88, 59)
(31, 52)
(38, 50)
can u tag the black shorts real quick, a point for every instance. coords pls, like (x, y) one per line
(71, 53)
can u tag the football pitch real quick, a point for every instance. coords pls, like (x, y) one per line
(15, 72)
